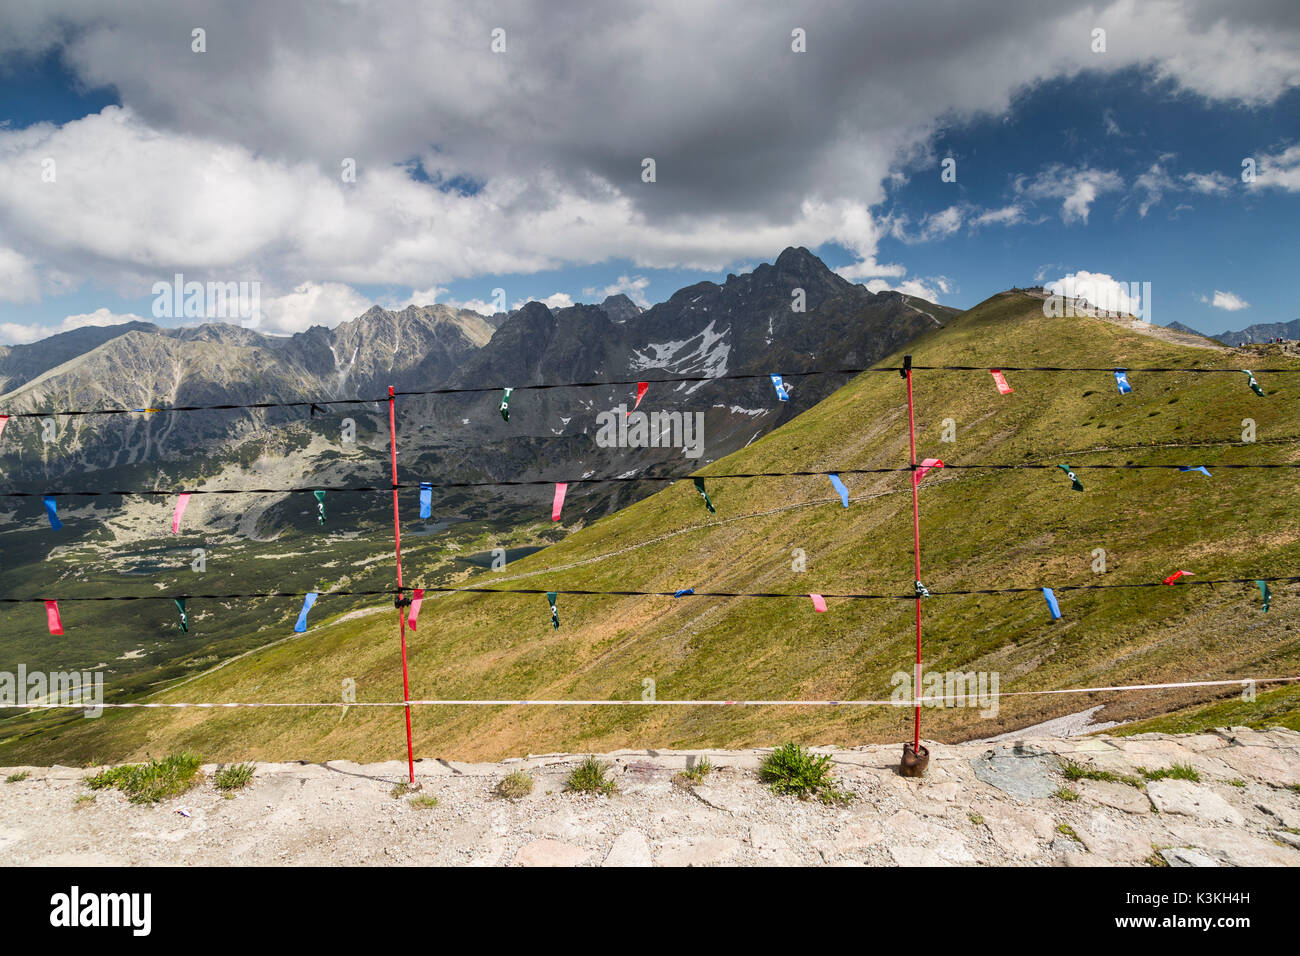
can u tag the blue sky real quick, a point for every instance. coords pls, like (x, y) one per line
(1123, 165)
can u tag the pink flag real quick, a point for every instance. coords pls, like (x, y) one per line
(417, 598)
(641, 389)
(181, 503)
(1000, 381)
(560, 488)
(1176, 575)
(4, 420)
(925, 466)
(819, 602)
(52, 616)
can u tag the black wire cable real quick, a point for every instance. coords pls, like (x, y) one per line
(1210, 582)
(992, 466)
(737, 376)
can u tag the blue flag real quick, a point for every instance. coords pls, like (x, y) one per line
(839, 486)
(683, 592)
(1201, 468)
(1051, 604)
(1121, 381)
(781, 393)
(426, 499)
(52, 510)
(301, 626)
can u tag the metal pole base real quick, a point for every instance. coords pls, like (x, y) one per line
(914, 762)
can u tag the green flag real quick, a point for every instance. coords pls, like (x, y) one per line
(1254, 385)
(555, 611)
(320, 506)
(1075, 484)
(921, 590)
(185, 618)
(505, 403)
(699, 486)
(1266, 594)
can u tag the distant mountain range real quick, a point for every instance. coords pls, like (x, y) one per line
(745, 325)
(1252, 334)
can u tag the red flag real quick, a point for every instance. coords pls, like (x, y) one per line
(560, 488)
(641, 389)
(925, 466)
(1001, 381)
(1176, 575)
(819, 602)
(181, 503)
(4, 420)
(417, 598)
(52, 617)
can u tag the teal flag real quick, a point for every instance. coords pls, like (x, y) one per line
(1254, 385)
(555, 611)
(320, 506)
(505, 403)
(1266, 594)
(699, 486)
(1075, 484)
(185, 618)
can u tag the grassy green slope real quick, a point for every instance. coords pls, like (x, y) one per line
(980, 529)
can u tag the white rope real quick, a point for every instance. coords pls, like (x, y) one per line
(909, 702)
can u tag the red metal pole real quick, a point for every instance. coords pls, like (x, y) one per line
(916, 547)
(401, 609)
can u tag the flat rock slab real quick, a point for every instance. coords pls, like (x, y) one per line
(1193, 800)
(551, 853)
(1023, 773)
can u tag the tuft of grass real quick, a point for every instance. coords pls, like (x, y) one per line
(1236, 783)
(693, 775)
(1077, 771)
(1179, 771)
(84, 800)
(976, 819)
(234, 776)
(423, 801)
(1067, 830)
(401, 789)
(1156, 860)
(515, 785)
(589, 777)
(18, 777)
(793, 771)
(1065, 793)
(152, 781)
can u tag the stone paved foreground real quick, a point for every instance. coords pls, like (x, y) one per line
(980, 804)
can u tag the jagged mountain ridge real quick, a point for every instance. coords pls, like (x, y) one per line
(747, 324)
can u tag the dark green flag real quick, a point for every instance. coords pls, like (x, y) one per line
(555, 611)
(1254, 385)
(699, 486)
(505, 403)
(185, 618)
(320, 506)
(1075, 484)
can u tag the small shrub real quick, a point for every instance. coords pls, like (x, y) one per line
(1179, 771)
(152, 781)
(792, 770)
(693, 775)
(589, 777)
(1065, 793)
(423, 801)
(18, 777)
(84, 800)
(1236, 783)
(401, 789)
(235, 776)
(515, 785)
(1067, 830)
(1156, 860)
(976, 819)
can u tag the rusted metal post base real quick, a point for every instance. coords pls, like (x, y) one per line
(914, 762)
